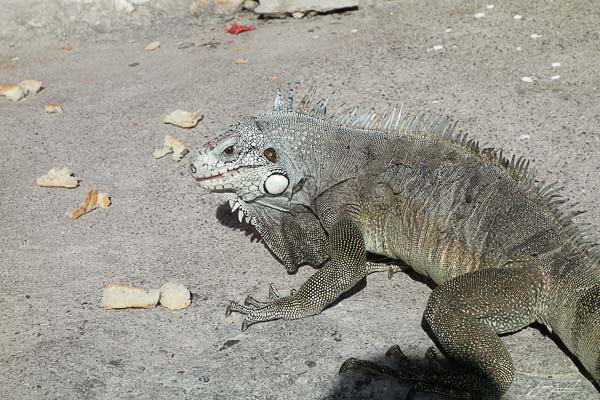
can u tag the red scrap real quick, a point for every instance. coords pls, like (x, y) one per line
(235, 28)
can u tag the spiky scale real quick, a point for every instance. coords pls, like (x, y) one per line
(290, 100)
(278, 104)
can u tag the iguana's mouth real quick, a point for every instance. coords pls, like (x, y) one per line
(208, 178)
(223, 174)
(219, 181)
(216, 176)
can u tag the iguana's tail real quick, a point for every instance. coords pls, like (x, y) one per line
(573, 308)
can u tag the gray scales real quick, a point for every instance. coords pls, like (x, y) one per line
(502, 248)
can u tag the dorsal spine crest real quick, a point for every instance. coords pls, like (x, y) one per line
(393, 121)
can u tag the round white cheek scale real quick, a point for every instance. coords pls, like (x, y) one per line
(276, 184)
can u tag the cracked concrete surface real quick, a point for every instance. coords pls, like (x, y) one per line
(55, 340)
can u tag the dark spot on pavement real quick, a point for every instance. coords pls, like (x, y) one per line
(229, 343)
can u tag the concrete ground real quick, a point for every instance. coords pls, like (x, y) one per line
(56, 342)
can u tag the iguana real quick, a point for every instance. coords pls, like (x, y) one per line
(325, 190)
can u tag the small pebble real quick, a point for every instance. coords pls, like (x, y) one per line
(354, 31)
(479, 15)
(555, 64)
(555, 77)
(448, 30)
(524, 137)
(527, 79)
(519, 48)
(152, 46)
(438, 47)
(535, 36)
(15, 59)
(185, 45)
(517, 17)
(489, 6)
(250, 5)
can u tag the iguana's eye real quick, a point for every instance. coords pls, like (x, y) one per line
(228, 150)
(270, 154)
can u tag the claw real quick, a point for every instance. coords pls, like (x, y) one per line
(395, 269)
(273, 292)
(431, 356)
(402, 361)
(228, 310)
(396, 351)
(390, 273)
(348, 365)
(245, 325)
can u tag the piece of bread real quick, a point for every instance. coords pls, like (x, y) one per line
(183, 119)
(58, 178)
(127, 296)
(171, 145)
(12, 92)
(175, 296)
(92, 200)
(30, 86)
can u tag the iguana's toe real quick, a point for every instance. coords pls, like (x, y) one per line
(237, 307)
(251, 301)
(251, 309)
(273, 292)
(432, 357)
(356, 364)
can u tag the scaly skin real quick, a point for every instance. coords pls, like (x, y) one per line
(327, 190)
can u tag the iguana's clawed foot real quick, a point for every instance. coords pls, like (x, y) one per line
(263, 310)
(455, 383)
(391, 269)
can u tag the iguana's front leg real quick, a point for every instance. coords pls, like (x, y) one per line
(345, 267)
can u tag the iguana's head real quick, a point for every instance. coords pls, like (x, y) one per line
(245, 161)
(273, 163)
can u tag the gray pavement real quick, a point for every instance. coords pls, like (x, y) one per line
(55, 340)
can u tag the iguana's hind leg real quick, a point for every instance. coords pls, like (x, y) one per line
(465, 315)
